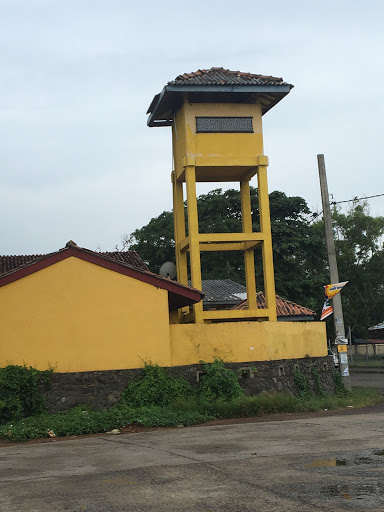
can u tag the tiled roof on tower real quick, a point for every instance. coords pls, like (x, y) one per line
(221, 76)
(216, 85)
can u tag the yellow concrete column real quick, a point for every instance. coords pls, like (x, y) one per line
(265, 228)
(249, 260)
(193, 232)
(179, 229)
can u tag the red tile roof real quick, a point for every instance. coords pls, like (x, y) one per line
(9, 263)
(179, 295)
(219, 85)
(221, 76)
(284, 307)
(128, 257)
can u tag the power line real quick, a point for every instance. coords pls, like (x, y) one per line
(356, 199)
(315, 215)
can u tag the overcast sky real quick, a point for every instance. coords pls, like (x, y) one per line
(77, 160)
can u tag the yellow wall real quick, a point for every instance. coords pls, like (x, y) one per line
(246, 341)
(216, 155)
(76, 316)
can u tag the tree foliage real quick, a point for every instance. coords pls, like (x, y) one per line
(299, 251)
(360, 256)
(295, 246)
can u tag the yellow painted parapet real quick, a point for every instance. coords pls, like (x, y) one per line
(237, 342)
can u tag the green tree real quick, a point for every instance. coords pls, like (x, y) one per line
(154, 242)
(300, 256)
(298, 251)
(360, 255)
(296, 244)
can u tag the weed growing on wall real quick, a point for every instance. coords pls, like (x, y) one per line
(340, 389)
(19, 392)
(302, 384)
(158, 399)
(219, 382)
(155, 387)
(319, 390)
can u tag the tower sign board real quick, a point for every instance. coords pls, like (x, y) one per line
(224, 125)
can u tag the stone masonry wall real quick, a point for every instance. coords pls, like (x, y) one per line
(102, 389)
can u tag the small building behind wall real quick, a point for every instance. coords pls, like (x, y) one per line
(76, 310)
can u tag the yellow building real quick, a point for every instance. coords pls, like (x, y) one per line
(76, 310)
(79, 311)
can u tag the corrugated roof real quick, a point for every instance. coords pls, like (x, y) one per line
(221, 76)
(222, 291)
(9, 263)
(228, 293)
(284, 307)
(377, 327)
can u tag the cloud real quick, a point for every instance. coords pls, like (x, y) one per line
(76, 157)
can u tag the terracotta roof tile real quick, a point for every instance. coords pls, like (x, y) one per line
(9, 263)
(284, 307)
(179, 295)
(129, 257)
(221, 76)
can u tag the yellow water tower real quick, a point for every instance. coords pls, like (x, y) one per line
(216, 119)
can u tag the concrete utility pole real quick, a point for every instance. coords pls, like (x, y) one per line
(340, 340)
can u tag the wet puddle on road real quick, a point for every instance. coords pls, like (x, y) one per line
(326, 463)
(355, 492)
(354, 461)
(372, 492)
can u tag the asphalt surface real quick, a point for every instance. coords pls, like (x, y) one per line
(372, 378)
(319, 462)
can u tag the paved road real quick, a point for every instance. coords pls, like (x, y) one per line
(317, 463)
(368, 379)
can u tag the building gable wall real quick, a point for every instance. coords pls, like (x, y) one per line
(77, 316)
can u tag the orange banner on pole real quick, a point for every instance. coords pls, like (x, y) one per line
(330, 291)
(333, 289)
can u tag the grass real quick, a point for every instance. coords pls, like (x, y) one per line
(81, 420)
(189, 411)
(361, 362)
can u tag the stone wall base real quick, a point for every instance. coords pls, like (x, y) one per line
(101, 390)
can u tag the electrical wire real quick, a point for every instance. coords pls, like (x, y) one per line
(315, 215)
(356, 199)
